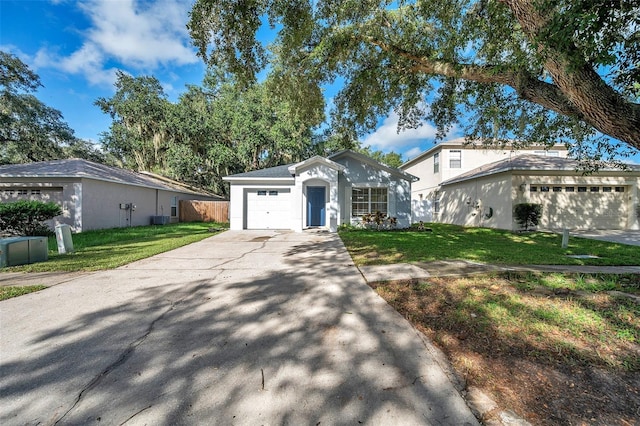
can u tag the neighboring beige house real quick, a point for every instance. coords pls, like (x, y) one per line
(475, 186)
(96, 196)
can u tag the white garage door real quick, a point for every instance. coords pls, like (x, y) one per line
(269, 208)
(582, 206)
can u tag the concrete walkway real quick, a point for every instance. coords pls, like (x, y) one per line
(442, 268)
(241, 328)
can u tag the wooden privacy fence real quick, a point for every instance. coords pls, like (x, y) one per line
(204, 211)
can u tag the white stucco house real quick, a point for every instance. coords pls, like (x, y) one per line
(96, 196)
(473, 185)
(319, 193)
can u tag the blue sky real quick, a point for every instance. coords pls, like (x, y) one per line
(77, 46)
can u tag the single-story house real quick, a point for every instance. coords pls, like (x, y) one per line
(96, 196)
(486, 196)
(319, 192)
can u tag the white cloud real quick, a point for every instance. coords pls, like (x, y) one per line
(141, 35)
(129, 34)
(387, 138)
(413, 152)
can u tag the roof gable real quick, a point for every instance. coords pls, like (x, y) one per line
(288, 171)
(368, 160)
(316, 159)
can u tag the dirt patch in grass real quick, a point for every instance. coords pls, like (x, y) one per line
(544, 348)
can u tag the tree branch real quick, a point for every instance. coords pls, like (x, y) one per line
(527, 86)
(599, 104)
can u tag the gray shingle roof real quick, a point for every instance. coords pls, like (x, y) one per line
(79, 168)
(523, 162)
(271, 172)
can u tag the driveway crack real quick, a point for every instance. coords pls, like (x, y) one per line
(124, 356)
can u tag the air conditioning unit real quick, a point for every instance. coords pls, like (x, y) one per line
(160, 220)
(22, 250)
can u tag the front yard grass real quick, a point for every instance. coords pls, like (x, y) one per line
(111, 248)
(481, 245)
(555, 348)
(8, 292)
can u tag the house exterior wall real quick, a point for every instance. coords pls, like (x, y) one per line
(101, 203)
(66, 192)
(489, 201)
(483, 202)
(359, 174)
(92, 204)
(424, 191)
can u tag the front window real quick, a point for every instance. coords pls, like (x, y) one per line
(455, 159)
(436, 162)
(368, 200)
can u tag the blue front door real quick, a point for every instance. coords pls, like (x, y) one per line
(315, 206)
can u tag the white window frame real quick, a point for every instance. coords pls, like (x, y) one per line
(453, 161)
(436, 163)
(174, 206)
(357, 212)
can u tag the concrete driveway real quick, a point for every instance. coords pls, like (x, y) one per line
(612, 235)
(242, 328)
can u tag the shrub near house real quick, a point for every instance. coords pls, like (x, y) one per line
(528, 215)
(27, 217)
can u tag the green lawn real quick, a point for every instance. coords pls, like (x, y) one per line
(110, 248)
(14, 291)
(480, 245)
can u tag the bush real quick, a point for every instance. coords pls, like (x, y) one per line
(379, 221)
(27, 217)
(528, 215)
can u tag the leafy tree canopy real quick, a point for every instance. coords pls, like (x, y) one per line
(539, 71)
(30, 130)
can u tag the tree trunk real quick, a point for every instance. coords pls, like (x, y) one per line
(598, 103)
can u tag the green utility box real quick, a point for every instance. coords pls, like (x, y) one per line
(22, 250)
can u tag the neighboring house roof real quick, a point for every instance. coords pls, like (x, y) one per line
(462, 143)
(80, 168)
(526, 162)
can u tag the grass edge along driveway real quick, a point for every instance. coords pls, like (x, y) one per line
(110, 248)
(483, 245)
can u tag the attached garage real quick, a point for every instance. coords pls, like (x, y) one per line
(268, 208)
(570, 199)
(582, 206)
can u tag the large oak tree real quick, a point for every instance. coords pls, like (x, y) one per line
(542, 71)
(29, 129)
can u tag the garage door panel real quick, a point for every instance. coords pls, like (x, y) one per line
(582, 210)
(268, 208)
